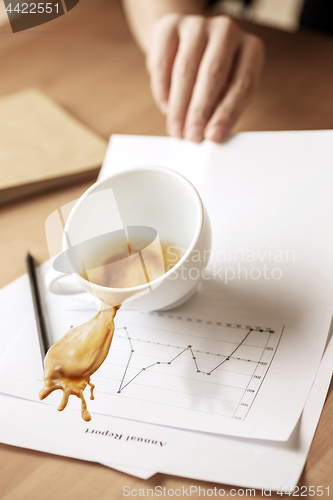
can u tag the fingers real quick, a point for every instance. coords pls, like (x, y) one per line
(213, 75)
(203, 74)
(193, 37)
(242, 86)
(161, 58)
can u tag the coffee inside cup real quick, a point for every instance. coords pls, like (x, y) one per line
(137, 267)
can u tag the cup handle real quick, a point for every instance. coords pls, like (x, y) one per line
(54, 285)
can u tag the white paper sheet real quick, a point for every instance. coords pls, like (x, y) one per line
(226, 319)
(233, 461)
(240, 462)
(268, 198)
(151, 366)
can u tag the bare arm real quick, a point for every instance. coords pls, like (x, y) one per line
(203, 70)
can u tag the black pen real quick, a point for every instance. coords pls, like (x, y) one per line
(44, 343)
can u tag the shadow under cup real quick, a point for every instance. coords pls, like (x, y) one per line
(129, 220)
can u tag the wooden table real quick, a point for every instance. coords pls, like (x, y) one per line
(87, 61)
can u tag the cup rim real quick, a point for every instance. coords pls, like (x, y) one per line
(135, 169)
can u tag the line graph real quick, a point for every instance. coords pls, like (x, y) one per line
(189, 364)
(188, 348)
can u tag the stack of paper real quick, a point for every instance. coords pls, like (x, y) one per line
(229, 387)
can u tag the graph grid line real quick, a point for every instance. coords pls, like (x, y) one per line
(238, 355)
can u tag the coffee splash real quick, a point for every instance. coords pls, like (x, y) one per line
(70, 362)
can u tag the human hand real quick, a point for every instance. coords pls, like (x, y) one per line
(203, 72)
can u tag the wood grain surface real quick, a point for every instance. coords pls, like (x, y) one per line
(87, 61)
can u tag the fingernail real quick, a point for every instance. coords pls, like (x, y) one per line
(175, 129)
(216, 133)
(194, 134)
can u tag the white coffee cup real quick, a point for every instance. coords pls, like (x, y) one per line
(147, 196)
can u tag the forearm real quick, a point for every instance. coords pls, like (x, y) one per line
(142, 15)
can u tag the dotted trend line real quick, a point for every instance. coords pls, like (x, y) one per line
(209, 322)
(188, 348)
